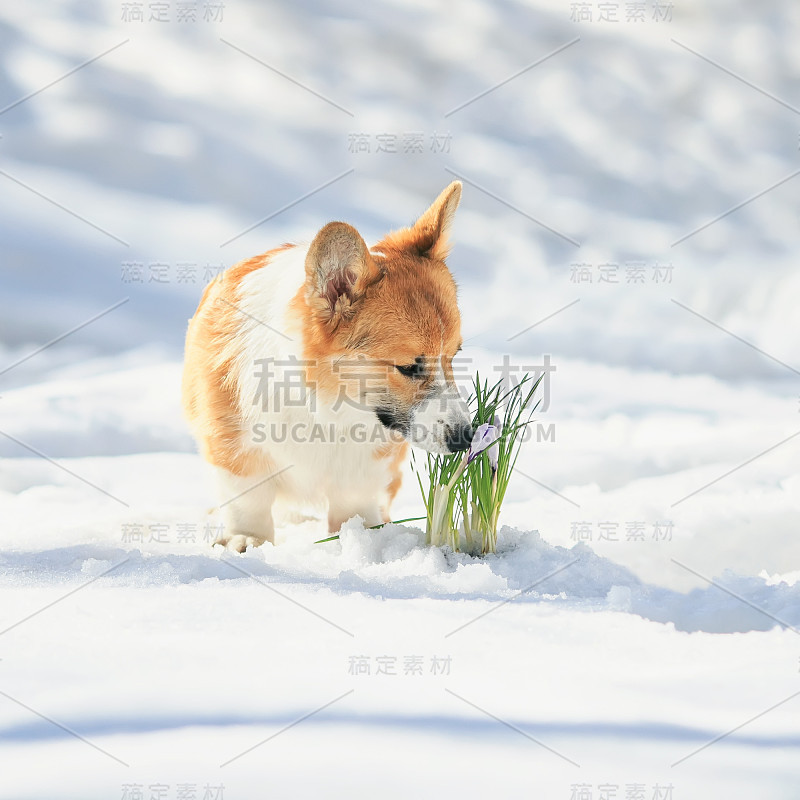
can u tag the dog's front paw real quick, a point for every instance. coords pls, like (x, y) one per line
(239, 542)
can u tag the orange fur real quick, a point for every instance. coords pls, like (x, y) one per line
(209, 396)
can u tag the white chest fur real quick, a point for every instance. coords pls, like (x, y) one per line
(324, 450)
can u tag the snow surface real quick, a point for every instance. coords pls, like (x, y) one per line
(644, 600)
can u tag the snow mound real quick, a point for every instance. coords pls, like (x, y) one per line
(394, 563)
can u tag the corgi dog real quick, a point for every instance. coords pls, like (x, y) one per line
(309, 370)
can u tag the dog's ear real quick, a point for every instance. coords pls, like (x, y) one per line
(428, 236)
(339, 268)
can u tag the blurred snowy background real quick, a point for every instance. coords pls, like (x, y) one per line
(630, 209)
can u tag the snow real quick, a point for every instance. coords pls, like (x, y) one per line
(170, 649)
(644, 600)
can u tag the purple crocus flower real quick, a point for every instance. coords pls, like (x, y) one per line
(494, 449)
(485, 437)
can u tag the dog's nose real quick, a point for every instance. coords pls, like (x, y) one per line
(459, 437)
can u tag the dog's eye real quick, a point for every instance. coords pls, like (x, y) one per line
(416, 370)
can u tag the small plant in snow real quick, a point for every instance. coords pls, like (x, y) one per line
(464, 492)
